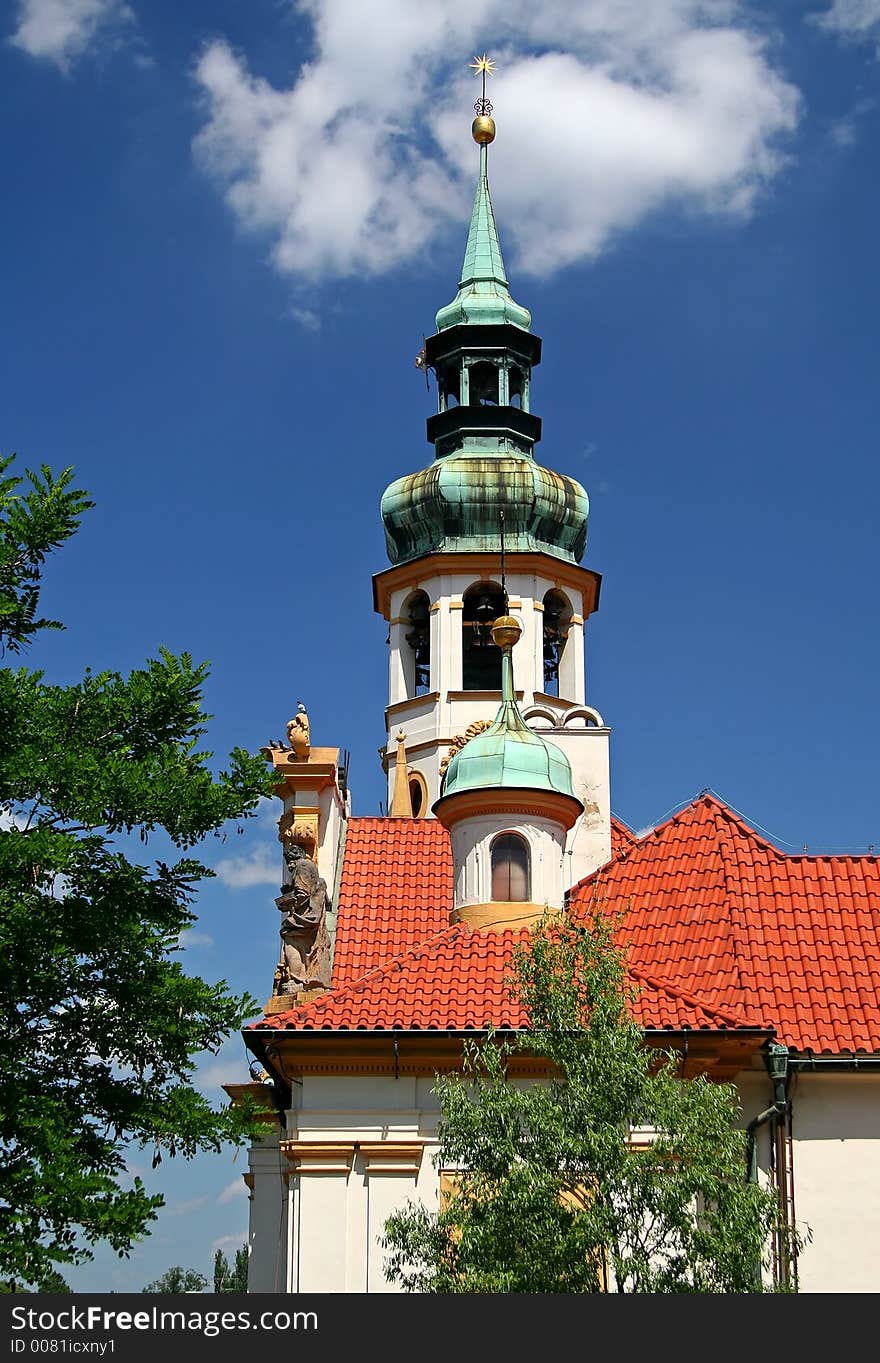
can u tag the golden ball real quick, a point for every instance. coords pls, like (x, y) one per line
(483, 129)
(506, 631)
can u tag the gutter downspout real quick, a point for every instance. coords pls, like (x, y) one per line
(776, 1061)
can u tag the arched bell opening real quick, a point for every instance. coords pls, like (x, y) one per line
(483, 384)
(557, 619)
(515, 387)
(480, 657)
(417, 640)
(449, 386)
(511, 869)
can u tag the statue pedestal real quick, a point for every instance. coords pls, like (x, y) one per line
(282, 1003)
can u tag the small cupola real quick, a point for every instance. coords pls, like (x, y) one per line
(508, 802)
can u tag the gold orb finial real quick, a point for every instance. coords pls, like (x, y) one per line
(483, 126)
(506, 631)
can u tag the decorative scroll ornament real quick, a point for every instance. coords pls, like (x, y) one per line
(479, 726)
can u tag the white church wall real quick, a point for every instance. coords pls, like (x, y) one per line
(339, 1203)
(267, 1234)
(373, 1147)
(836, 1129)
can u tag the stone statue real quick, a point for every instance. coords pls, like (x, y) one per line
(298, 733)
(305, 945)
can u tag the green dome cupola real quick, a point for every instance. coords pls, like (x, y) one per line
(484, 432)
(509, 756)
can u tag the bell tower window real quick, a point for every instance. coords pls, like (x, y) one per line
(417, 663)
(511, 879)
(449, 386)
(480, 658)
(483, 385)
(557, 618)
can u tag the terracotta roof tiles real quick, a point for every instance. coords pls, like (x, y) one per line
(724, 931)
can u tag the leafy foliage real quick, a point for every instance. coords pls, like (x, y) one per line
(99, 1022)
(614, 1174)
(234, 1277)
(52, 1282)
(31, 524)
(178, 1279)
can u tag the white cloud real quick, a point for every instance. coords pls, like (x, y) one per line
(851, 18)
(9, 820)
(228, 1066)
(191, 938)
(232, 1192)
(60, 31)
(607, 110)
(193, 1204)
(260, 866)
(227, 1243)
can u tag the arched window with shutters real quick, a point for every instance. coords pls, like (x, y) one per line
(511, 869)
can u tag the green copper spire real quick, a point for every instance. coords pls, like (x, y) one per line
(508, 754)
(484, 430)
(483, 293)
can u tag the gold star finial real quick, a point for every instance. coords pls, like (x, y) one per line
(483, 63)
(483, 66)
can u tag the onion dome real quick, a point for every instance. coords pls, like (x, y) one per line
(454, 505)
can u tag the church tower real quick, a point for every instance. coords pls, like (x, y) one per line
(485, 531)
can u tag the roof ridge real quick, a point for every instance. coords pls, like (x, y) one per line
(638, 843)
(706, 799)
(692, 1000)
(623, 827)
(354, 986)
(733, 890)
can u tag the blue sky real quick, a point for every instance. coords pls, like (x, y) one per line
(228, 226)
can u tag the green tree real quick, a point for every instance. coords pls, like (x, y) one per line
(100, 1024)
(33, 522)
(178, 1279)
(52, 1282)
(232, 1278)
(554, 1195)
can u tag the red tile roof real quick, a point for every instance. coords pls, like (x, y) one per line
(395, 892)
(725, 931)
(714, 908)
(621, 835)
(457, 981)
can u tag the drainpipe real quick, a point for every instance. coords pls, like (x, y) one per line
(776, 1061)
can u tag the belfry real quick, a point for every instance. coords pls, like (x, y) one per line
(486, 531)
